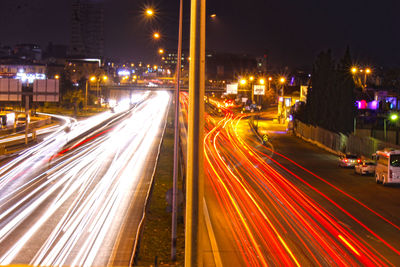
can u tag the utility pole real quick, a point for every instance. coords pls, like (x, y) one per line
(86, 93)
(26, 118)
(195, 153)
(176, 139)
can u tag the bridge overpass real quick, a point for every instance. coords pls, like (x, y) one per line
(123, 91)
(168, 87)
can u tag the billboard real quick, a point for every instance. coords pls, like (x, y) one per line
(232, 89)
(259, 89)
(10, 90)
(46, 90)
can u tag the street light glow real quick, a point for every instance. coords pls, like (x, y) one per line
(213, 15)
(251, 78)
(269, 78)
(243, 81)
(156, 35)
(394, 117)
(282, 80)
(149, 12)
(353, 69)
(262, 81)
(368, 70)
(161, 51)
(93, 79)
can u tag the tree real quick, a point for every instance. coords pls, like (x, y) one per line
(331, 97)
(346, 91)
(65, 83)
(320, 93)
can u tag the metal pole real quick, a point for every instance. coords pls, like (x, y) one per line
(384, 129)
(195, 165)
(176, 140)
(86, 91)
(355, 125)
(26, 118)
(252, 92)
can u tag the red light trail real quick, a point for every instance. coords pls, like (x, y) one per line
(273, 220)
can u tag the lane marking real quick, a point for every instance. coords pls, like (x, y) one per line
(211, 235)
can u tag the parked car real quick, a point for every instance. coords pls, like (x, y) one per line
(365, 167)
(349, 160)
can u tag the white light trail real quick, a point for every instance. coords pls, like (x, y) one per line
(85, 190)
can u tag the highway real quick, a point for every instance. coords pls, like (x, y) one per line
(287, 203)
(77, 198)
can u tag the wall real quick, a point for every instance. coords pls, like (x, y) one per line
(339, 143)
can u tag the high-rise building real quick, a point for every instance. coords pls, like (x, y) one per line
(87, 33)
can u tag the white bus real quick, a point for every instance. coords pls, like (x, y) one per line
(387, 166)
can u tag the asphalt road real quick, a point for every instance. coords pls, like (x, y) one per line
(78, 197)
(289, 203)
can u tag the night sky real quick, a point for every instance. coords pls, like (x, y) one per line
(292, 32)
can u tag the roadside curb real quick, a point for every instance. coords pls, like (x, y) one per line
(318, 144)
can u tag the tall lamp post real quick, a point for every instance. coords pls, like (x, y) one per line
(393, 117)
(251, 79)
(282, 81)
(195, 162)
(176, 138)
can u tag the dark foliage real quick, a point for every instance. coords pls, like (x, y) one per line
(331, 97)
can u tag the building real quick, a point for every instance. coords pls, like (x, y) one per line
(169, 59)
(21, 70)
(30, 52)
(83, 68)
(87, 32)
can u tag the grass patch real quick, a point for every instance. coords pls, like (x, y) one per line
(155, 243)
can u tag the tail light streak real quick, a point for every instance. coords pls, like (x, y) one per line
(242, 181)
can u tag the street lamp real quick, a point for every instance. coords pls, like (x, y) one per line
(354, 70)
(161, 51)
(366, 72)
(91, 79)
(156, 35)
(269, 82)
(393, 118)
(282, 81)
(251, 79)
(149, 12)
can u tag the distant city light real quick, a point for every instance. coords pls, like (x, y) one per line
(124, 73)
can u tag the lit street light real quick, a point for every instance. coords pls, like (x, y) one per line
(282, 81)
(393, 118)
(161, 51)
(366, 72)
(156, 35)
(269, 83)
(149, 12)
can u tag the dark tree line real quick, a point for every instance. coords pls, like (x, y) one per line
(331, 96)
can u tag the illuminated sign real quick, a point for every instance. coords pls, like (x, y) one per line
(30, 77)
(232, 88)
(259, 89)
(124, 73)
